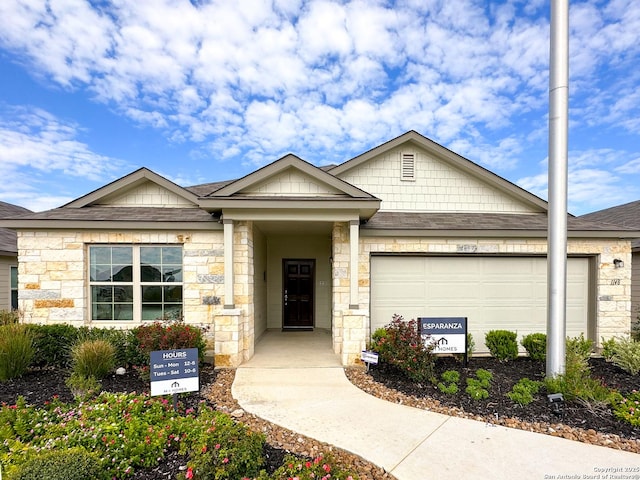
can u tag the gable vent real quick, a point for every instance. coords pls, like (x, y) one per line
(408, 166)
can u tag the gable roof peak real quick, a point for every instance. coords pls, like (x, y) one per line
(123, 184)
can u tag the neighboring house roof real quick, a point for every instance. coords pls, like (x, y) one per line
(626, 216)
(8, 241)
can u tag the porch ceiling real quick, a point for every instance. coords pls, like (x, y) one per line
(294, 228)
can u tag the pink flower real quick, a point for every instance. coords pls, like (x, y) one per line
(189, 473)
(326, 468)
(225, 460)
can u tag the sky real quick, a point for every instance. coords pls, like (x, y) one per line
(210, 90)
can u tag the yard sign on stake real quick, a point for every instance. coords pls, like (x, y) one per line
(173, 372)
(449, 334)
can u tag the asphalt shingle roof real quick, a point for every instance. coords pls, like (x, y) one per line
(8, 241)
(478, 221)
(99, 213)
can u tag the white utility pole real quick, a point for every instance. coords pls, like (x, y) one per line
(558, 160)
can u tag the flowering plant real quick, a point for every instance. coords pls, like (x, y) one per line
(322, 467)
(627, 407)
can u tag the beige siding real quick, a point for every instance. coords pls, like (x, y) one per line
(260, 282)
(5, 281)
(149, 194)
(291, 183)
(635, 287)
(303, 247)
(437, 187)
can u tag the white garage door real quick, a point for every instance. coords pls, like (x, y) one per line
(506, 293)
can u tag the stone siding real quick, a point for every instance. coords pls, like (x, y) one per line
(53, 274)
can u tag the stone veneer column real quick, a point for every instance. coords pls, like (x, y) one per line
(228, 264)
(234, 337)
(354, 241)
(350, 324)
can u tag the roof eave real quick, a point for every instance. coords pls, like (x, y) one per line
(53, 224)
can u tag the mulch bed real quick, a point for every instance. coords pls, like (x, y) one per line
(577, 416)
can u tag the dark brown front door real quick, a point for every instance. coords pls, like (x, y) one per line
(297, 301)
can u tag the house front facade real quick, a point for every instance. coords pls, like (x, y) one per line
(407, 228)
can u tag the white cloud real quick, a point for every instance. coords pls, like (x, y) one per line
(38, 148)
(252, 80)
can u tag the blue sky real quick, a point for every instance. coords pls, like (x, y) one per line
(202, 91)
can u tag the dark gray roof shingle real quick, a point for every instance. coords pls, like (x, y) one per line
(8, 241)
(478, 221)
(129, 214)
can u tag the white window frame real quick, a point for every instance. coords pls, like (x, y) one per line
(137, 284)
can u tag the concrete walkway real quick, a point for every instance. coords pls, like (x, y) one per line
(295, 381)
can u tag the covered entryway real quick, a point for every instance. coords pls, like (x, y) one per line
(298, 278)
(494, 292)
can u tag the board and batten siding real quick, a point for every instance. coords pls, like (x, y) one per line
(5, 281)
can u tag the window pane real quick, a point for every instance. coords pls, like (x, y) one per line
(152, 311)
(112, 302)
(14, 299)
(110, 264)
(122, 255)
(172, 255)
(14, 277)
(172, 273)
(122, 273)
(173, 294)
(151, 255)
(100, 255)
(150, 273)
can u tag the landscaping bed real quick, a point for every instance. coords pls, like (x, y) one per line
(592, 423)
(39, 386)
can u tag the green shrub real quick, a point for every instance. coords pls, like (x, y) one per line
(478, 388)
(121, 340)
(93, 358)
(449, 384)
(402, 347)
(576, 382)
(166, 336)
(225, 450)
(536, 346)
(502, 344)
(608, 348)
(53, 344)
(8, 317)
(323, 466)
(16, 350)
(626, 355)
(627, 407)
(69, 464)
(83, 388)
(523, 391)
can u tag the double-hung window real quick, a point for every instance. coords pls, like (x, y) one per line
(135, 282)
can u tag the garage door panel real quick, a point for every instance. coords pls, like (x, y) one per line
(492, 292)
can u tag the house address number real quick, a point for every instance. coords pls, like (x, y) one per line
(615, 281)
